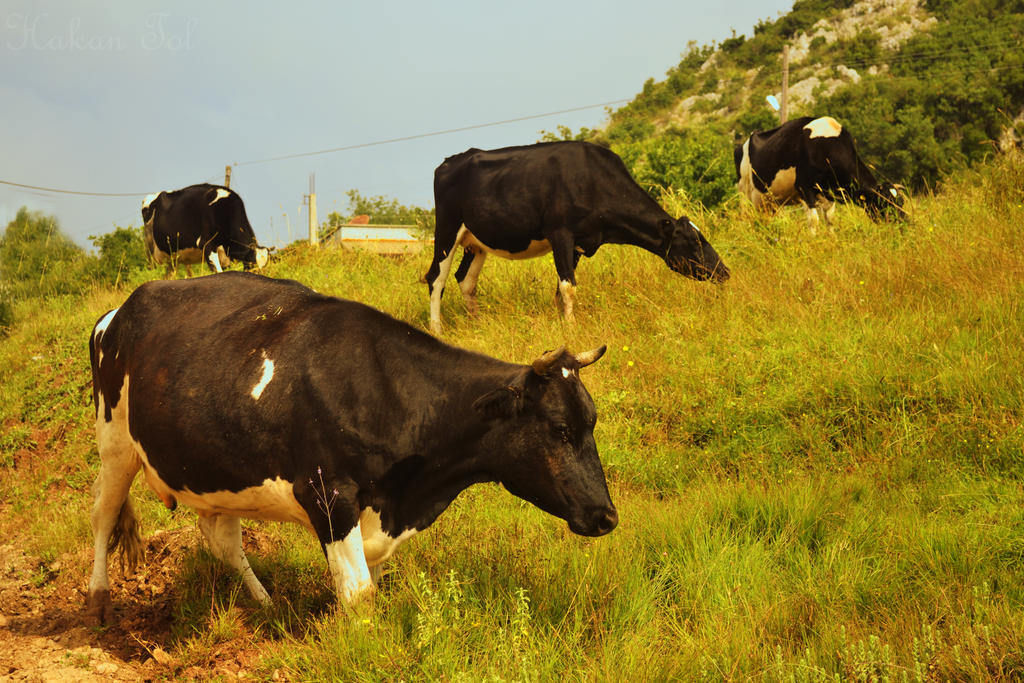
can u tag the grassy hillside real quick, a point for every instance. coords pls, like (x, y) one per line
(818, 468)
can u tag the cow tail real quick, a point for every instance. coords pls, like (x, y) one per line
(125, 538)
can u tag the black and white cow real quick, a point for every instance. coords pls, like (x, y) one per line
(811, 160)
(245, 396)
(568, 198)
(200, 223)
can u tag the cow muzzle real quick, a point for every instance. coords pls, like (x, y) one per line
(596, 521)
(699, 271)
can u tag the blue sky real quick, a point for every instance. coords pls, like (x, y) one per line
(129, 97)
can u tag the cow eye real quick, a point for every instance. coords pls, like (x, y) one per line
(563, 431)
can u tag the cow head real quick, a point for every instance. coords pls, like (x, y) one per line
(885, 201)
(258, 257)
(540, 440)
(687, 252)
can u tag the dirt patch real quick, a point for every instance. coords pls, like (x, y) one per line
(43, 636)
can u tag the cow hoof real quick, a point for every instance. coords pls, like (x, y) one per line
(98, 608)
(360, 605)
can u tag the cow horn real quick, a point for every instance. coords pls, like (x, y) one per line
(588, 357)
(542, 365)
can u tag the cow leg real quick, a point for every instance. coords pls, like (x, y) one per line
(330, 503)
(112, 514)
(224, 534)
(376, 572)
(566, 258)
(809, 197)
(467, 276)
(440, 267)
(213, 258)
(829, 209)
(353, 579)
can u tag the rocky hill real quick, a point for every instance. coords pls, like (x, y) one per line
(926, 86)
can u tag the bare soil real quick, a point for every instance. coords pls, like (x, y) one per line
(43, 636)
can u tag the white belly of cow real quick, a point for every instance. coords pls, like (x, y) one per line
(273, 500)
(378, 545)
(470, 241)
(781, 189)
(182, 256)
(189, 256)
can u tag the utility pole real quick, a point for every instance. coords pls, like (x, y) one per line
(227, 176)
(310, 200)
(784, 106)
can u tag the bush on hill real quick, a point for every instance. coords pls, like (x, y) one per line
(37, 259)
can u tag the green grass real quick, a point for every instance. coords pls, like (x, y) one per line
(818, 466)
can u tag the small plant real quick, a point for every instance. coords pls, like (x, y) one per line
(441, 609)
(323, 501)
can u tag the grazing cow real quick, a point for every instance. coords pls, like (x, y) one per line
(810, 159)
(200, 223)
(244, 396)
(568, 198)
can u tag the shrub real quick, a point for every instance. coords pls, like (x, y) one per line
(121, 253)
(698, 163)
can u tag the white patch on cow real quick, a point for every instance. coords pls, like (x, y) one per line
(104, 322)
(268, 374)
(98, 331)
(824, 127)
(378, 545)
(149, 200)
(219, 259)
(783, 186)
(436, 287)
(347, 562)
(221, 194)
(746, 186)
(535, 248)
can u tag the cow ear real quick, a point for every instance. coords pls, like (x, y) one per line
(503, 402)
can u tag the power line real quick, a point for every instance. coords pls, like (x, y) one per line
(418, 136)
(336, 149)
(78, 192)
